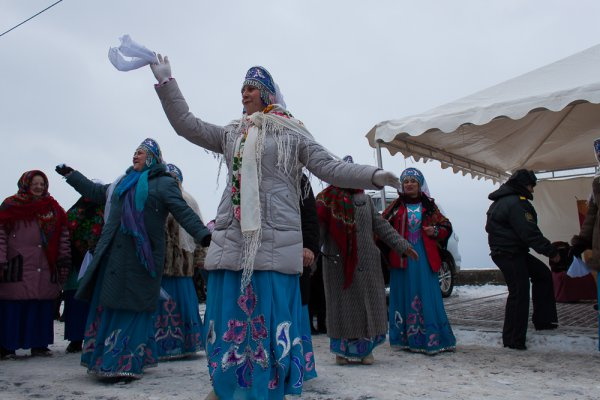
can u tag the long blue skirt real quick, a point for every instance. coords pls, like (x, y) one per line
(117, 343)
(254, 340)
(417, 318)
(75, 314)
(25, 324)
(177, 322)
(310, 370)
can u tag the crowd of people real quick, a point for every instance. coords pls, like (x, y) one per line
(126, 255)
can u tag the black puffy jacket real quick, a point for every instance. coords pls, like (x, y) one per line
(512, 223)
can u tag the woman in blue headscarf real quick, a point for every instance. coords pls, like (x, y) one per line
(122, 282)
(417, 319)
(178, 324)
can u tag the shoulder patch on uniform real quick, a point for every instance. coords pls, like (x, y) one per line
(529, 217)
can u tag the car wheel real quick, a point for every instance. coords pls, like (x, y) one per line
(446, 275)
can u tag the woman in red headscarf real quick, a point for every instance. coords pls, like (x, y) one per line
(34, 260)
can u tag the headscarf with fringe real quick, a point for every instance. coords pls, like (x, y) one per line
(336, 212)
(248, 152)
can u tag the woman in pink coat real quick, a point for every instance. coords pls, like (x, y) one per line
(34, 259)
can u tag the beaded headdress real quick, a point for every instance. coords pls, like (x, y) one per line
(175, 172)
(152, 150)
(260, 78)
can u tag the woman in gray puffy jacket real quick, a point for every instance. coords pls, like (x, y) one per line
(253, 311)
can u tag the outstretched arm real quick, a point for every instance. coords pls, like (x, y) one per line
(183, 121)
(96, 192)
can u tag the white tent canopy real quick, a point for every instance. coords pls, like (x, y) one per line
(544, 120)
(556, 204)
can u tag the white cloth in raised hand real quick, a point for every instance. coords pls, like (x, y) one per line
(138, 55)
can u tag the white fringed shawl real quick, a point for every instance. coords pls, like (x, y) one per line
(258, 124)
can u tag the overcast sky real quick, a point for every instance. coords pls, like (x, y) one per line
(342, 66)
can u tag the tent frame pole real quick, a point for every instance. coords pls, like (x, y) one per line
(380, 165)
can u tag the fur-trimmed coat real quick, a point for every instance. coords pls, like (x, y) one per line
(178, 261)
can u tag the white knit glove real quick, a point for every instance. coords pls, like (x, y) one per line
(383, 178)
(162, 69)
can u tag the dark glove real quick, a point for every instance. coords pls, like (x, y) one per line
(64, 267)
(63, 169)
(575, 251)
(3, 271)
(205, 242)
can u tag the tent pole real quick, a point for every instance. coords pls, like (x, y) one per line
(380, 165)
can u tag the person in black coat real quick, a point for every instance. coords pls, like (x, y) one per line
(512, 229)
(310, 237)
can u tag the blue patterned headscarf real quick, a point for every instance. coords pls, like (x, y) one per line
(413, 173)
(175, 172)
(418, 175)
(152, 150)
(261, 79)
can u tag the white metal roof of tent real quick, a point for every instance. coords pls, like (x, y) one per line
(544, 120)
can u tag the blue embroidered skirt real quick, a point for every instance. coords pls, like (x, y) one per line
(177, 322)
(310, 371)
(418, 320)
(117, 343)
(26, 323)
(254, 340)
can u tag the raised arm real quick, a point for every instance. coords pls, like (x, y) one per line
(336, 172)
(96, 192)
(185, 123)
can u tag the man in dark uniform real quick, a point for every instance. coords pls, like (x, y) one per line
(512, 229)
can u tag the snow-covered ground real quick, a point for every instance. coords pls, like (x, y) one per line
(556, 366)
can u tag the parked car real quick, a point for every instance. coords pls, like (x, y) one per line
(450, 255)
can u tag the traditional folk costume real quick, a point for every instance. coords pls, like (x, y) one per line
(417, 318)
(122, 282)
(178, 324)
(253, 319)
(352, 275)
(34, 245)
